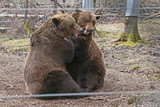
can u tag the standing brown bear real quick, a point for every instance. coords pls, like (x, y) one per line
(87, 68)
(45, 67)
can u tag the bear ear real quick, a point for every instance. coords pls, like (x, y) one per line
(98, 17)
(78, 10)
(76, 13)
(56, 21)
(61, 12)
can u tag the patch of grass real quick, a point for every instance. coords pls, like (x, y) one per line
(157, 75)
(125, 56)
(137, 85)
(133, 100)
(132, 61)
(16, 45)
(136, 67)
(5, 37)
(131, 40)
(152, 87)
(116, 105)
(26, 26)
(101, 33)
(136, 99)
(132, 44)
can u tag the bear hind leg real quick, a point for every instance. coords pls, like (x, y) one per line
(91, 76)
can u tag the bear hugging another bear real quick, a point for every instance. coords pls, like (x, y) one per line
(58, 64)
(87, 67)
(45, 67)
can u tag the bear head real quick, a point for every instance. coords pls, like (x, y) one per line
(65, 25)
(86, 20)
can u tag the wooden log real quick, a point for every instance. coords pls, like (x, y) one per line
(3, 30)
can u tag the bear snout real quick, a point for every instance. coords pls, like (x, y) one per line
(87, 31)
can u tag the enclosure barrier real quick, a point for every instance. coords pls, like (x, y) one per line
(81, 94)
(75, 94)
(45, 9)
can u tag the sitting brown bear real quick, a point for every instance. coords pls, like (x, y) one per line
(87, 67)
(45, 67)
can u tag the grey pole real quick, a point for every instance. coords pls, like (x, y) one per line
(26, 11)
(132, 8)
(88, 5)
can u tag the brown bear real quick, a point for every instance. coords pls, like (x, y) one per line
(50, 50)
(87, 67)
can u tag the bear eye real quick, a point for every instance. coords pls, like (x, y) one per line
(87, 21)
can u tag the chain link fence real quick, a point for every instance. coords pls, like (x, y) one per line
(12, 14)
(12, 22)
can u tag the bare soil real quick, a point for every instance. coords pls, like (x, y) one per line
(128, 69)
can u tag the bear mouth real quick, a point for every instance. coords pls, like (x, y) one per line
(87, 33)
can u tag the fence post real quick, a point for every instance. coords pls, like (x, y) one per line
(88, 5)
(132, 8)
(26, 11)
(55, 6)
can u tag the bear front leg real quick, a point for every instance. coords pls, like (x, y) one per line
(59, 81)
(91, 75)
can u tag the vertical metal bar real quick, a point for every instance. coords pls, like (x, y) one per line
(132, 8)
(87, 5)
(55, 6)
(26, 11)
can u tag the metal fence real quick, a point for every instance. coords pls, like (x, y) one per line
(13, 20)
(11, 16)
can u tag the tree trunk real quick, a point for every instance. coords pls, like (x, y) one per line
(130, 33)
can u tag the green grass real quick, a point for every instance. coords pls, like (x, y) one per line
(132, 100)
(16, 45)
(157, 75)
(125, 56)
(136, 67)
(152, 87)
(136, 99)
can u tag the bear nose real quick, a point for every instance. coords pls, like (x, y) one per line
(89, 30)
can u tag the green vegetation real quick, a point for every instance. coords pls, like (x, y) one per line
(131, 41)
(16, 45)
(157, 75)
(5, 37)
(136, 99)
(137, 85)
(136, 67)
(152, 87)
(26, 26)
(125, 56)
(133, 100)
(101, 33)
(132, 61)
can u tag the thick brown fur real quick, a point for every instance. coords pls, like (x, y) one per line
(45, 67)
(87, 68)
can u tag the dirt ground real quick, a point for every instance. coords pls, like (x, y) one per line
(128, 69)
